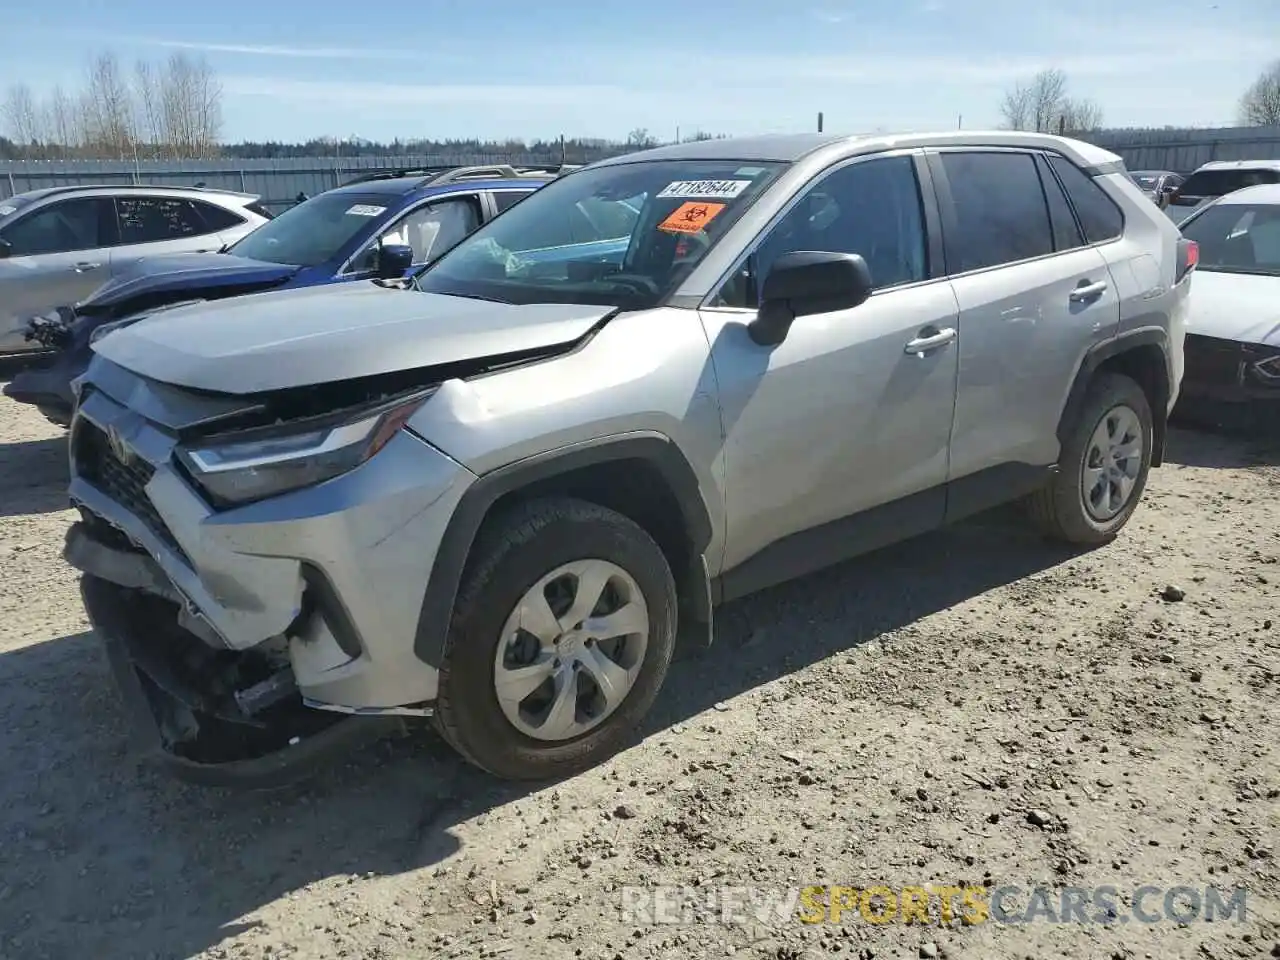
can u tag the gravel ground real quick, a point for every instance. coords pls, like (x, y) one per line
(971, 708)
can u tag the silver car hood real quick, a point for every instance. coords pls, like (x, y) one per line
(314, 335)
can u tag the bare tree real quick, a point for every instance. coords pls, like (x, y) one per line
(1041, 104)
(191, 106)
(64, 122)
(108, 108)
(150, 115)
(22, 117)
(1048, 95)
(1260, 105)
(1080, 116)
(640, 139)
(1015, 108)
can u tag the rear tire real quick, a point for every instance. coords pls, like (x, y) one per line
(1103, 466)
(570, 697)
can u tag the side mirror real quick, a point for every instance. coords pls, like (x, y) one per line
(393, 260)
(807, 282)
(5, 249)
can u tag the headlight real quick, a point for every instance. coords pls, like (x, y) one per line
(99, 332)
(265, 462)
(1269, 368)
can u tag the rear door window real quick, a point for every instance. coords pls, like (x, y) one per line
(506, 199)
(1000, 211)
(156, 219)
(1098, 213)
(1066, 232)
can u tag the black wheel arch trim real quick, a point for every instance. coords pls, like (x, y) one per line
(1099, 354)
(473, 508)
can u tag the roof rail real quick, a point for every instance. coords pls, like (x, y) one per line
(74, 187)
(500, 171)
(397, 174)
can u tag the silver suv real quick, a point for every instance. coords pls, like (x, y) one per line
(60, 244)
(497, 493)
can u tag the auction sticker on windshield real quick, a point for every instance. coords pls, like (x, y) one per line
(690, 217)
(365, 210)
(705, 189)
(6, 210)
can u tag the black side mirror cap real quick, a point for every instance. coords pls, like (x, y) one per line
(394, 259)
(806, 282)
(5, 249)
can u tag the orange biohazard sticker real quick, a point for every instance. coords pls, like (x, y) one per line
(691, 217)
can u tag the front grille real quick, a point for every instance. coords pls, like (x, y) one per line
(125, 483)
(1211, 361)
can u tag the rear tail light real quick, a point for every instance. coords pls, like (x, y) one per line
(1188, 257)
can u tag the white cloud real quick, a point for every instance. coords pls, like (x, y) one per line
(273, 50)
(397, 94)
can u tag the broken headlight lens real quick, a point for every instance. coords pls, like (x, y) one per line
(1269, 369)
(266, 462)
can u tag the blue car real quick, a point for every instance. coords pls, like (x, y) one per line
(380, 226)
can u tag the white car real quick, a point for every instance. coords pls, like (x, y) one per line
(1233, 327)
(1217, 179)
(60, 244)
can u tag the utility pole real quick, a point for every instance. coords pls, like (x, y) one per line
(960, 121)
(819, 121)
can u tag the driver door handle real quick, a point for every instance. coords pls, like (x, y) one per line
(1087, 291)
(86, 267)
(926, 342)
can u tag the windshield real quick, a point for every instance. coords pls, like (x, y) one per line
(1217, 183)
(1238, 238)
(313, 231)
(621, 235)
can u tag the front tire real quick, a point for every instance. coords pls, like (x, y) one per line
(1103, 466)
(562, 634)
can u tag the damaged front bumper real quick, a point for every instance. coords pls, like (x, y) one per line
(252, 643)
(1230, 384)
(261, 736)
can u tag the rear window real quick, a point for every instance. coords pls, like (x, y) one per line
(1216, 183)
(1144, 180)
(259, 209)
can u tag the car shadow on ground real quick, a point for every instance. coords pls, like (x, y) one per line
(33, 477)
(110, 859)
(1192, 445)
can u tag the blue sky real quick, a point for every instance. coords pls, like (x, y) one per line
(451, 68)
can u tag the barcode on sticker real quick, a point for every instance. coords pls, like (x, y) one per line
(365, 210)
